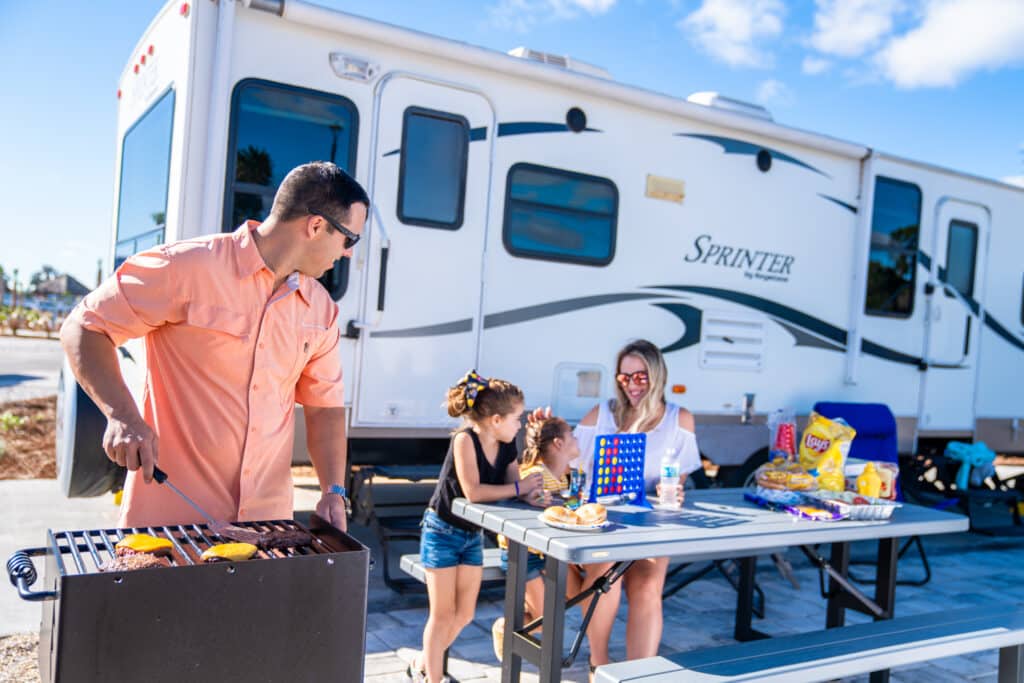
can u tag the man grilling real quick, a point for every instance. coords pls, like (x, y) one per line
(237, 330)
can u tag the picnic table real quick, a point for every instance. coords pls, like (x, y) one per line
(713, 524)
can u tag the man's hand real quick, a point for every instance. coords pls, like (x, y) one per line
(131, 443)
(332, 508)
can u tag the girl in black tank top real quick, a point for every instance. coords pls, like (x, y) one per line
(481, 467)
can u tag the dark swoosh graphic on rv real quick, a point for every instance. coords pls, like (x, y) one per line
(734, 146)
(530, 127)
(518, 315)
(456, 327)
(515, 315)
(849, 207)
(822, 329)
(475, 134)
(972, 304)
(691, 317)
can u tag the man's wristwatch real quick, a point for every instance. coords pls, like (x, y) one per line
(339, 490)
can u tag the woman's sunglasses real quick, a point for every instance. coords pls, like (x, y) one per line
(350, 237)
(638, 378)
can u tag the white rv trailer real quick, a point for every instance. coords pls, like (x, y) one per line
(531, 214)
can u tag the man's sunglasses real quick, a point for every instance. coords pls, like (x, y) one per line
(350, 237)
(638, 378)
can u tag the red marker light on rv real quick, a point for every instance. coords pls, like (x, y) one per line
(142, 59)
(136, 69)
(118, 93)
(184, 9)
(150, 50)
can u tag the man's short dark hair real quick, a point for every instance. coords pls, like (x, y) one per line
(317, 186)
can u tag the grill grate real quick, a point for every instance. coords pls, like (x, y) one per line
(91, 548)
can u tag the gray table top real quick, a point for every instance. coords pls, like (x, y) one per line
(713, 524)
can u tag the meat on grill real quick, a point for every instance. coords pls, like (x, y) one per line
(270, 540)
(131, 561)
(284, 538)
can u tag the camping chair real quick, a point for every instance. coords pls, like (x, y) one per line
(875, 440)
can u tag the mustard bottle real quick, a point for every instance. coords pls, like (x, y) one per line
(869, 483)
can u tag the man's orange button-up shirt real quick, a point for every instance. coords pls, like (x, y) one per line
(227, 358)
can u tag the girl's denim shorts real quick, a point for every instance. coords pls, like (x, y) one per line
(443, 545)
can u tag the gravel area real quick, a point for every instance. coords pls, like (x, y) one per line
(19, 658)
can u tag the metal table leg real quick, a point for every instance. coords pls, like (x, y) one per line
(554, 620)
(515, 595)
(885, 589)
(835, 614)
(745, 602)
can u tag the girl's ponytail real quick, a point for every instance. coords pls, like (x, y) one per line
(476, 397)
(540, 434)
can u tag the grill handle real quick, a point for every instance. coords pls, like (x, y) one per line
(22, 573)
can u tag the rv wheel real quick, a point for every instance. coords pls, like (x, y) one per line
(83, 469)
(743, 475)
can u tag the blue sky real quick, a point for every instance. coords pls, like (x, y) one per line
(936, 80)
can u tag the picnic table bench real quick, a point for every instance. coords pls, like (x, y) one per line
(846, 651)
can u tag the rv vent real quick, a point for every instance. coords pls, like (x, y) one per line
(713, 99)
(561, 61)
(732, 341)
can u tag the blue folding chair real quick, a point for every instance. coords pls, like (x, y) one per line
(876, 440)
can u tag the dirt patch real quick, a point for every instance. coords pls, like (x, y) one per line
(28, 439)
(19, 658)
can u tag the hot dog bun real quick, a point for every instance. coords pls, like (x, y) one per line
(560, 515)
(592, 514)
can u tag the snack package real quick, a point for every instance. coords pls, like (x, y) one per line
(823, 450)
(782, 434)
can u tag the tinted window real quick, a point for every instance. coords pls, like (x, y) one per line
(432, 179)
(560, 215)
(275, 128)
(961, 250)
(892, 263)
(145, 173)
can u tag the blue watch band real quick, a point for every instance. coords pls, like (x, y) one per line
(338, 489)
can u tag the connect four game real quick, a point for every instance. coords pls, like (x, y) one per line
(618, 467)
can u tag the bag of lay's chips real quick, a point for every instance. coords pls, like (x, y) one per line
(823, 450)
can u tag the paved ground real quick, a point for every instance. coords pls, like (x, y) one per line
(29, 367)
(968, 570)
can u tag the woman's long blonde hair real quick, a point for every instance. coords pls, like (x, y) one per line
(649, 411)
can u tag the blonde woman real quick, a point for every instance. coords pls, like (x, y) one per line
(639, 406)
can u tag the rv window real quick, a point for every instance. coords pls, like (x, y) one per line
(432, 177)
(895, 220)
(961, 250)
(275, 128)
(145, 172)
(558, 215)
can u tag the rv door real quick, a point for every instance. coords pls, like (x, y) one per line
(421, 307)
(952, 295)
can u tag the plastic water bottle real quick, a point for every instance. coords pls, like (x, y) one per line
(670, 478)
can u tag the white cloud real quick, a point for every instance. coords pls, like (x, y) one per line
(955, 39)
(1014, 180)
(731, 30)
(775, 92)
(849, 28)
(815, 65)
(522, 15)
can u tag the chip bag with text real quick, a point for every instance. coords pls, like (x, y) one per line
(823, 450)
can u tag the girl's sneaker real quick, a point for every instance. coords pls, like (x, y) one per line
(498, 637)
(415, 675)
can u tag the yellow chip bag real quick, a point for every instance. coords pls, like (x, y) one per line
(823, 450)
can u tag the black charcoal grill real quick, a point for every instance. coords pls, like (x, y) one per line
(295, 614)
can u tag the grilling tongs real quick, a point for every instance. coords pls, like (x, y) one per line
(221, 528)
